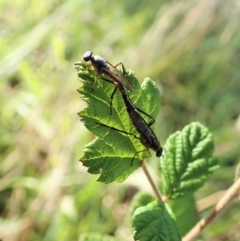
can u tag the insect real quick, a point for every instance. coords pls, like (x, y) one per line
(146, 135)
(108, 72)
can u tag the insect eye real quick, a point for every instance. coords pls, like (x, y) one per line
(87, 56)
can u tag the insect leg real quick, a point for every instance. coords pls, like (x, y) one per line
(152, 119)
(111, 98)
(143, 112)
(124, 132)
(115, 66)
(140, 152)
(127, 133)
(112, 95)
(123, 68)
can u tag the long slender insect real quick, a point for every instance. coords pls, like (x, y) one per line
(147, 136)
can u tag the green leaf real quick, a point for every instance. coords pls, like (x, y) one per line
(140, 199)
(187, 160)
(182, 208)
(111, 154)
(154, 222)
(150, 94)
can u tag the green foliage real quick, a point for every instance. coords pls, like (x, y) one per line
(111, 154)
(184, 207)
(45, 192)
(96, 237)
(154, 222)
(186, 163)
(141, 199)
(187, 160)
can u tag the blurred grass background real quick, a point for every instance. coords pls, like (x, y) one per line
(190, 48)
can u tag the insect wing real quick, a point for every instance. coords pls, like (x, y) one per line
(115, 74)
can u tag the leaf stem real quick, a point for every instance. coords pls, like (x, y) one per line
(223, 202)
(153, 185)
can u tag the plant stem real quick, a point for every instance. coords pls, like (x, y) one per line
(153, 185)
(223, 202)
